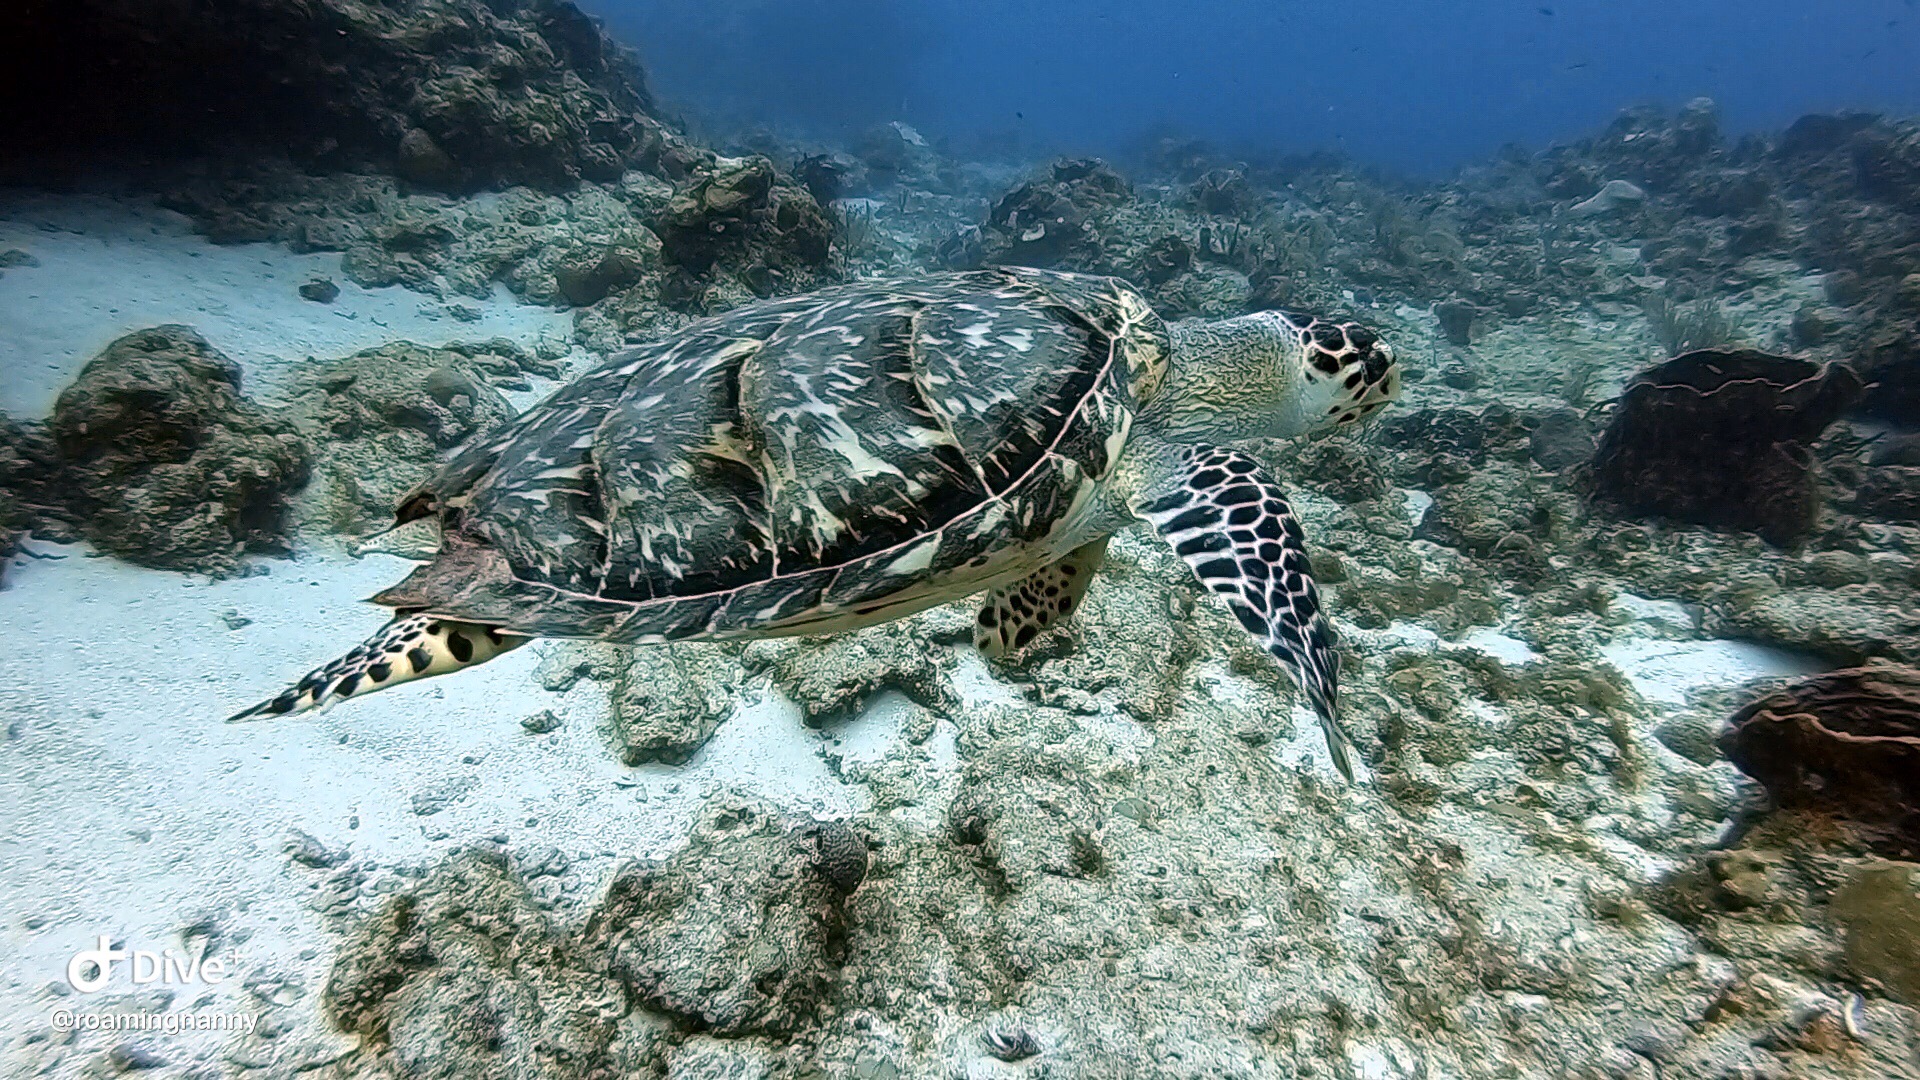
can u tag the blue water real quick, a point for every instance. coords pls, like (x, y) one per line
(1411, 85)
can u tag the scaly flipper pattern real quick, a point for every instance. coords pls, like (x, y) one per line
(1015, 614)
(408, 648)
(1234, 528)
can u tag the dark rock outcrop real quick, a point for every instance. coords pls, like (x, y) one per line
(1456, 320)
(29, 466)
(450, 94)
(1560, 439)
(1846, 743)
(1888, 493)
(1441, 446)
(746, 218)
(1048, 222)
(830, 176)
(1890, 362)
(161, 461)
(1718, 437)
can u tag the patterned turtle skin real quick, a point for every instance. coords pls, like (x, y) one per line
(849, 456)
(799, 465)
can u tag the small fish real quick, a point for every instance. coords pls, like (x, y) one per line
(1017, 1044)
(1547, 11)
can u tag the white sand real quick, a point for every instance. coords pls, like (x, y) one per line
(108, 267)
(129, 808)
(1502, 647)
(1665, 672)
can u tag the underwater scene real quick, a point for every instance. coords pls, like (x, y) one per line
(1356, 541)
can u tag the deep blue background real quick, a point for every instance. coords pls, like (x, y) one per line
(1412, 85)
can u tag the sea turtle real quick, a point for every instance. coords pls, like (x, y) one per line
(848, 456)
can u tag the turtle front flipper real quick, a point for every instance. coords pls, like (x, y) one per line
(1234, 528)
(410, 647)
(1015, 614)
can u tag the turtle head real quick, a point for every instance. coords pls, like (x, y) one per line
(1272, 374)
(1343, 373)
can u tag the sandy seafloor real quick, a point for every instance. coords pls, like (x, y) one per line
(128, 808)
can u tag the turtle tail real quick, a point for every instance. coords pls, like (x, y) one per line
(412, 646)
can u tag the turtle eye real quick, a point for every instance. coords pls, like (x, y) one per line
(1378, 362)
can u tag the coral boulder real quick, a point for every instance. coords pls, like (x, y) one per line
(162, 461)
(1846, 743)
(1718, 437)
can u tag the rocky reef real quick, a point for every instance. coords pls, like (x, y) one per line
(380, 420)
(452, 95)
(1129, 870)
(1659, 390)
(1113, 856)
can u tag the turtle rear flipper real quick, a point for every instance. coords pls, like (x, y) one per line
(413, 646)
(1015, 614)
(1233, 527)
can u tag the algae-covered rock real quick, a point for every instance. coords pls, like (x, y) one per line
(163, 462)
(669, 700)
(737, 933)
(745, 218)
(1879, 908)
(830, 676)
(1506, 514)
(550, 249)
(706, 1058)
(1340, 467)
(1026, 810)
(464, 976)
(1436, 446)
(384, 418)
(1848, 625)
